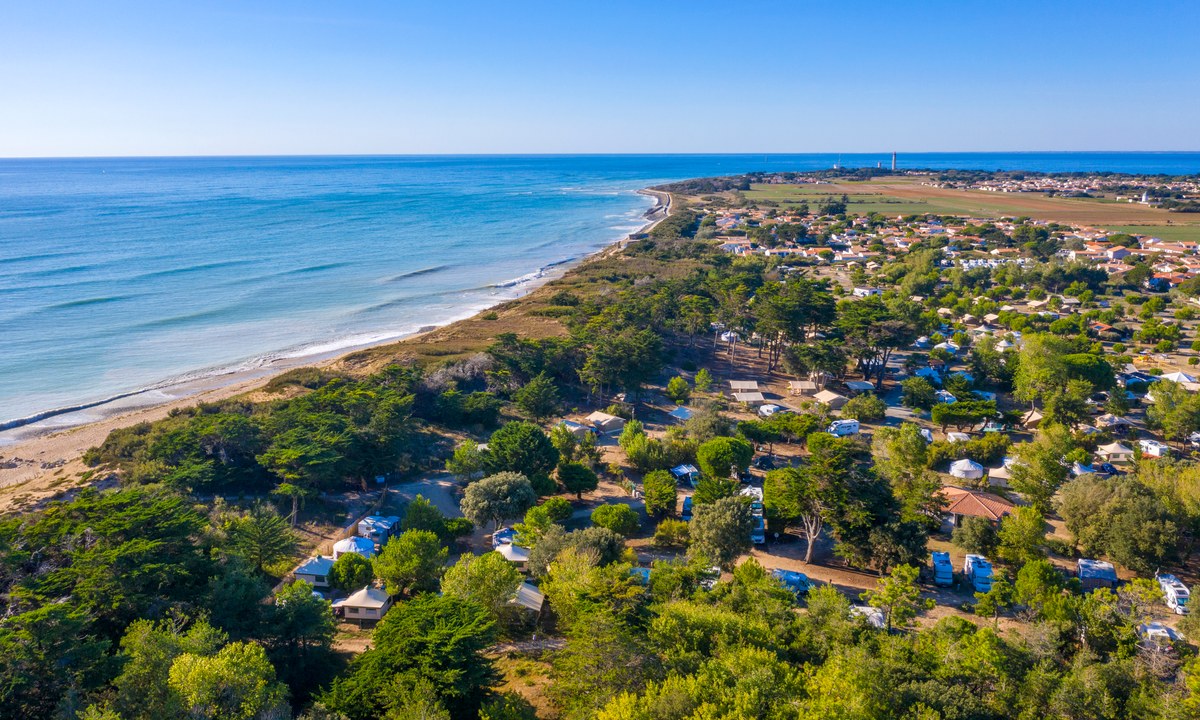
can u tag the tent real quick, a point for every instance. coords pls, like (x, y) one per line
(966, 469)
(1178, 377)
(743, 385)
(605, 423)
(860, 386)
(1031, 419)
(370, 603)
(830, 398)
(749, 397)
(360, 545)
(579, 430)
(1115, 452)
(799, 387)
(956, 437)
(515, 554)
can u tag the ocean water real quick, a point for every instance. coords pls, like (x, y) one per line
(122, 276)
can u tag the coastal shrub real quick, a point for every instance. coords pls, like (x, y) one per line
(678, 390)
(867, 407)
(671, 534)
(618, 517)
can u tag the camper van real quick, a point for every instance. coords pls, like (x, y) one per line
(978, 570)
(842, 428)
(1175, 593)
(758, 533)
(943, 569)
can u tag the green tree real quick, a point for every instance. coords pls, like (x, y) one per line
(142, 690)
(441, 639)
(539, 398)
(350, 571)
(618, 517)
(679, 390)
(898, 596)
(660, 490)
(918, 393)
(976, 535)
(866, 407)
(721, 457)
(902, 458)
(236, 683)
(296, 494)
(411, 563)
(523, 448)
(720, 531)
(261, 537)
(1121, 518)
(577, 478)
(672, 534)
(1038, 470)
(996, 600)
(1022, 535)
(299, 635)
(703, 380)
(487, 580)
(710, 490)
(468, 461)
(497, 498)
(1175, 411)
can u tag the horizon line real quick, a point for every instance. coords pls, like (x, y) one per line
(168, 156)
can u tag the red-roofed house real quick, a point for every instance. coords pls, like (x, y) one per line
(961, 503)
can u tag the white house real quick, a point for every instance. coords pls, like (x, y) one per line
(367, 605)
(315, 571)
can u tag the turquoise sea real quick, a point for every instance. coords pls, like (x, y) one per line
(139, 276)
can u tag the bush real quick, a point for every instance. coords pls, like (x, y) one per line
(679, 390)
(659, 490)
(671, 534)
(350, 572)
(866, 407)
(976, 535)
(618, 517)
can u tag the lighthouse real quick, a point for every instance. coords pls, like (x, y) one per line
(893, 161)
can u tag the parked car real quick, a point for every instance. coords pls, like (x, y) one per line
(797, 582)
(764, 462)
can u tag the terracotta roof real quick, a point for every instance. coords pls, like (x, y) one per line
(961, 501)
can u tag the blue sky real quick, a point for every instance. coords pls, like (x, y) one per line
(178, 78)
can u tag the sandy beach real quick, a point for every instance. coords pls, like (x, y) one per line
(44, 458)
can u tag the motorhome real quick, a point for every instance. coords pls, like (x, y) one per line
(1175, 593)
(842, 428)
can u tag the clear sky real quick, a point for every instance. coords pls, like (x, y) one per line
(169, 77)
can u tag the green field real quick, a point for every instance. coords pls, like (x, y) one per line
(901, 196)
(859, 203)
(1166, 232)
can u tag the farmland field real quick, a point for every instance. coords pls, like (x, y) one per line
(904, 196)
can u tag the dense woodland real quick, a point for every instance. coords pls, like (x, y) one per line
(152, 599)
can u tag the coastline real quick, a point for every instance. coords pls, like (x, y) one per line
(43, 456)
